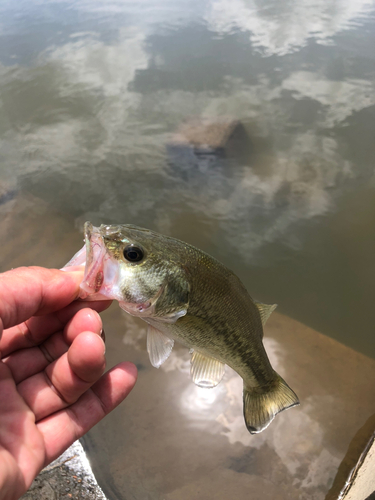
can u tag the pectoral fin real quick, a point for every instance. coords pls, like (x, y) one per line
(159, 346)
(205, 371)
(171, 317)
(265, 311)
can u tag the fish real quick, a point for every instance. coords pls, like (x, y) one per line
(187, 296)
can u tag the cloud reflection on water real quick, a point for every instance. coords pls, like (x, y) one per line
(291, 181)
(284, 27)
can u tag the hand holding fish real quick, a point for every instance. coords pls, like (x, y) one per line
(52, 387)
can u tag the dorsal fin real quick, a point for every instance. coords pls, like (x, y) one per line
(206, 371)
(265, 311)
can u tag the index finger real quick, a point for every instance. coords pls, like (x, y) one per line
(30, 291)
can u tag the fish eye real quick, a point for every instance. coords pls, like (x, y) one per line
(133, 253)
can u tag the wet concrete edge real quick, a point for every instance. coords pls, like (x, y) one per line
(68, 477)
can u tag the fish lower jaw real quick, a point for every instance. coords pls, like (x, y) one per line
(103, 292)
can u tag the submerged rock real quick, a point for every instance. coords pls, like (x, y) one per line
(222, 136)
(203, 143)
(7, 192)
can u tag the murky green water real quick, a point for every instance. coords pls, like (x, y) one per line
(92, 95)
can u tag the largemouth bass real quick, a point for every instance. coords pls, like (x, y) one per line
(187, 296)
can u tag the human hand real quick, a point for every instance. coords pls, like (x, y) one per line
(52, 387)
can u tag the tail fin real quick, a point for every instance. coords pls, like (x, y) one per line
(261, 408)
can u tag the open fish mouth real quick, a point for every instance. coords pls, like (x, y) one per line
(94, 270)
(101, 271)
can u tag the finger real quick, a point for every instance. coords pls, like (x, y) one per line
(73, 268)
(18, 437)
(67, 378)
(37, 329)
(84, 320)
(25, 363)
(63, 428)
(27, 291)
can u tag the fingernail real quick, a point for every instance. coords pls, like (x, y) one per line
(101, 338)
(102, 334)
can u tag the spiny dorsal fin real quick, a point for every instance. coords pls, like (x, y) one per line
(205, 371)
(265, 311)
(159, 346)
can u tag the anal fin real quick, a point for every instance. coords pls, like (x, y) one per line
(159, 346)
(206, 371)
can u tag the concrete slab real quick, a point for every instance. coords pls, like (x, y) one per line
(361, 482)
(70, 477)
